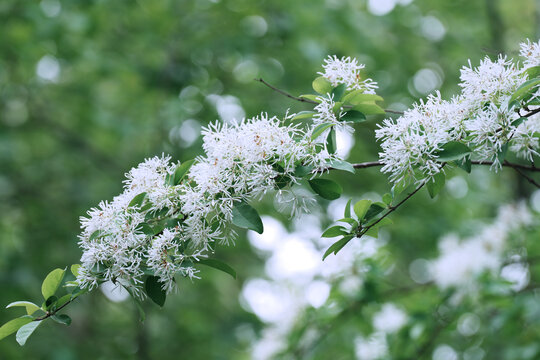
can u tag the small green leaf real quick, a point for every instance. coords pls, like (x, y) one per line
(181, 171)
(347, 212)
(219, 265)
(374, 210)
(357, 97)
(527, 87)
(453, 150)
(353, 116)
(153, 289)
(303, 170)
(533, 72)
(464, 163)
(25, 331)
(247, 217)
(310, 97)
(319, 129)
(369, 109)
(337, 246)
(137, 200)
(361, 208)
(50, 302)
(387, 198)
(519, 121)
(322, 85)
(75, 269)
(327, 189)
(342, 165)
(338, 91)
(303, 115)
(436, 184)
(63, 300)
(334, 231)
(349, 221)
(62, 319)
(13, 325)
(501, 155)
(331, 141)
(374, 230)
(52, 282)
(30, 306)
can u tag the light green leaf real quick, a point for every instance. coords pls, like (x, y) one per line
(30, 306)
(247, 217)
(322, 85)
(13, 325)
(525, 89)
(181, 171)
(303, 115)
(436, 184)
(62, 319)
(303, 170)
(361, 208)
(374, 230)
(52, 282)
(338, 245)
(219, 265)
(153, 289)
(453, 150)
(327, 189)
(25, 331)
(342, 165)
(369, 109)
(319, 129)
(310, 97)
(387, 198)
(334, 231)
(75, 269)
(357, 97)
(347, 212)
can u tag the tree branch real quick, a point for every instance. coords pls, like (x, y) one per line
(369, 164)
(284, 93)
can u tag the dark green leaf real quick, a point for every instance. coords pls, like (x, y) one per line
(519, 121)
(137, 200)
(52, 282)
(353, 116)
(301, 170)
(338, 91)
(13, 325)
(436, 184)
(337, 246)
(374, 210)
(387, 198)
(220, 265)
(246, 217)
(153, 289)
(342, 165)
(453, 150)
(334, 231)
(25, 331)
(327, 189)
(464, 163)
(181, 171)
(50, 302)
(331, 141)
(525, 89)
(347, 212)
(62, 319)
(501, 155)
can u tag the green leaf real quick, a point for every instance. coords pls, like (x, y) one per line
(501, 155)
(96, 234)
(50, 302)
(247, 217)
(361, 208)
(374, 230)
(303, 115)
(62, 319)
(334, 231)
(75, 269)
(30, 306)
(25, 331)
(13, 325)
(322, 86)
(464, 163)
(349, 221)
(356, 97)
(533, 72)
(319, 129)
(327, 189)
(219, 265)
(137, 200)
(303, 170)
(387, 198)
(310, 97)
(338, 245)
(338, 91)
(347, 212)
(153, 289)
(331, 141)
(369, 109)
(526, 88)
(353, 116)
(519, 121)
(453, 150)
(52, 282)
(64, 300)
(342, 165)
(374, 210)
(181, 171)
(436, 184)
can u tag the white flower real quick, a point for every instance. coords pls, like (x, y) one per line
(347, 71)
(531, 52)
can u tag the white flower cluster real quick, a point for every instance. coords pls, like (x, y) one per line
(347, 71)
(461, 262)
(159, 231)
(479, 117)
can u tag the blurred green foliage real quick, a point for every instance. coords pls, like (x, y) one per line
(88, 89)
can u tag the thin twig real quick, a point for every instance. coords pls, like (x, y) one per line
(529, 179)
(284, 93)
(369, 164)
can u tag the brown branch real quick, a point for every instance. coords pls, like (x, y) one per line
(284, 93)
(527, 177)
(369, 164)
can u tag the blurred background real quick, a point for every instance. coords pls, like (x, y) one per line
(88, 89)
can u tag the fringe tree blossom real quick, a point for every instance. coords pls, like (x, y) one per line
(160, 228)
(347, 71)
(481, 117)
